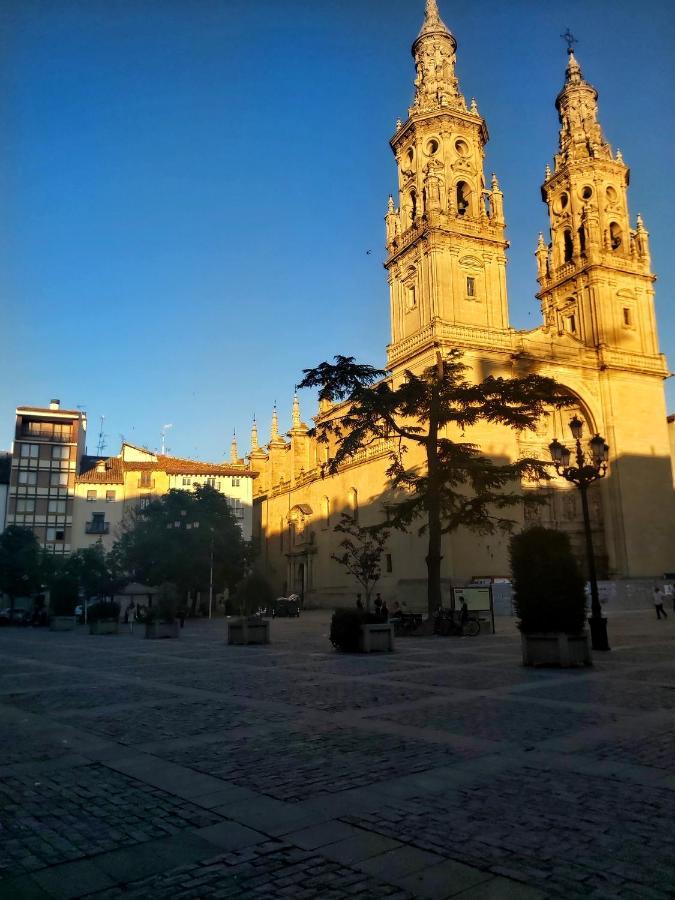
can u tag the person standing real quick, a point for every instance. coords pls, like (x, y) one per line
(384, 611)
(658, 602)
(131, 610)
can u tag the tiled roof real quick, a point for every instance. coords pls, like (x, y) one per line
(172, 465)
(111, 473)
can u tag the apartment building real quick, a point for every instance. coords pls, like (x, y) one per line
(48, 444)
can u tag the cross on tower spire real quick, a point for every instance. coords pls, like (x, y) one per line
(569, 38)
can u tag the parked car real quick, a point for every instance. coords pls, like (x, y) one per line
(16, 617)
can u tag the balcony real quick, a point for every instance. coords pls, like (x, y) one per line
(146, 483)
(97, 527)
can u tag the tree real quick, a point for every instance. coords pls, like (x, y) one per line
(362, 549)
(91, 569)
(20, 569)
(456, 485)
(177, 537)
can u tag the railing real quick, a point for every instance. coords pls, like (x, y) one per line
(97, 527)
(146, 483)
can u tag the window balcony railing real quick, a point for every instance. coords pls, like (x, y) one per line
(147, 483)
(97, 527)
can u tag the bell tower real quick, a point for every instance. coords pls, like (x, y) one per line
(595, 277)
(445, 238)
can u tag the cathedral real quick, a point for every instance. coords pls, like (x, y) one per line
(446, 264)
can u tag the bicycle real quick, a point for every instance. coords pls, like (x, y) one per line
(446, 624)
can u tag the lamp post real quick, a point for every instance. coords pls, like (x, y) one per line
(590, 465)
(182, 523)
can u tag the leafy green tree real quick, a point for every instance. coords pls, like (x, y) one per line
(91, 569)
(456, 485)
(360, 553)
(20, 563)
(175, 539)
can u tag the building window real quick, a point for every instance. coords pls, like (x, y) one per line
(25, 505)
(97, 523)
(281, 534)
(615, 237)
(410, 299)
(326, 512)
(571, 324)
(56, 534)
(56, 507)
(28, 478)
(627, 317)
(353, 500)
(91, 496)
(235, 482)
(470, 286)
(144, 502)
(110, 496)
(388, 566)
(145, 480)
(58, 479)
(60, 452)
(30, 451)
(568, 246)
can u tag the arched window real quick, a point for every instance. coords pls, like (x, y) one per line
(582, 240)
(568, 245)
(353, 501)
(463, 198)
(615, 236)
(413, 206)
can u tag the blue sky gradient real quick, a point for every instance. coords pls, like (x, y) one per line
(189, 188)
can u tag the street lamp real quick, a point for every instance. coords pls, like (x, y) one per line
(189, 526)
(589, 467)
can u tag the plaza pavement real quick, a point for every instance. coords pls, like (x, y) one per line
(188, 769)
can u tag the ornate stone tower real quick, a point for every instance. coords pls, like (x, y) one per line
(445, 242)
(595, 276)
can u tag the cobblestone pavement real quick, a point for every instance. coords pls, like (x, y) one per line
(189, 768)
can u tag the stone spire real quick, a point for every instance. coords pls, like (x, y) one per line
(434, 55)
(433, 24)
(234, 452)
(580, 132)
(276, 439)
(254, 436)
(297, 422)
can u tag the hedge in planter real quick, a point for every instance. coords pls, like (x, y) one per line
(547, 584)
(104, 617)
(160, 620)
(549, 597)
(346, 630)
(62, 602)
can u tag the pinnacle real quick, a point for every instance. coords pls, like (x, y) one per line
(432, 20)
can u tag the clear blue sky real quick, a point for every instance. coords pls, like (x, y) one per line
(189, 187)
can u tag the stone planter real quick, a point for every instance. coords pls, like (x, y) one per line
(156, 630)
(556, 649)
(62, 623)
(248, 631)
(104, 626)
(376, 637)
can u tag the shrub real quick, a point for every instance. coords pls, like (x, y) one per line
(252, 593)
(548, 585)
(345, 628)
(63, 595)
(167, 603)
(104, 609)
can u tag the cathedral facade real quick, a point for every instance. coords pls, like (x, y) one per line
(446, 264)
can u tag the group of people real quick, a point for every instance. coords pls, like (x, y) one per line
(381, 610)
